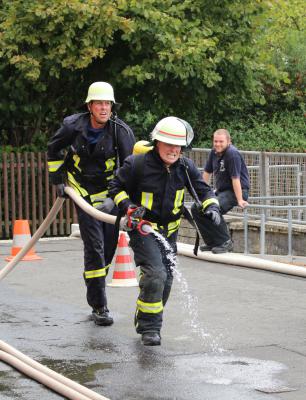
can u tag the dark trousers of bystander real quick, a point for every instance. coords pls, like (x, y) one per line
(227, 199)
(213, 235)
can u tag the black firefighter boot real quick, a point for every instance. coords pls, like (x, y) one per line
(205, 247)
(101, 317)
(223, 248)
(151, 339)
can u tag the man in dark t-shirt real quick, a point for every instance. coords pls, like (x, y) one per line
(231, 178)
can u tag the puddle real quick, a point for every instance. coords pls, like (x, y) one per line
(230, 370)
(3, 387)
(105, 347)
(10, 381)
(72, 369)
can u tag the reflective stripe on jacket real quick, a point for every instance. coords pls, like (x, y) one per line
(88, 169)
(160, 189)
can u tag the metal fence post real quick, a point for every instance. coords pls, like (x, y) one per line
(264, 175)
(289, 230)
(265, 178)
(298, 187)
(262, 233)
(245, 230)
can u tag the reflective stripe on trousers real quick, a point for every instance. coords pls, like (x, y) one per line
(99, 248)
(155, 280)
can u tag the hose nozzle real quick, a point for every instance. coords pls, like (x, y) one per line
(144, 227)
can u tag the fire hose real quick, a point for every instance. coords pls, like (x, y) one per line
(38, 234)
(99, 215)
(26, 365)
(46, 376)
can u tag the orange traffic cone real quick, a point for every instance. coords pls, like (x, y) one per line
(124, 272)
(21, 237)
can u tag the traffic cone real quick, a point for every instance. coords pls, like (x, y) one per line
(124, 272)
(21, 237)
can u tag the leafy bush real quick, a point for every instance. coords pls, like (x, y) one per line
(283, 131)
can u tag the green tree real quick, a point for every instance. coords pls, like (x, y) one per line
(191, 58)
(197, 59)
(46, 48)
(281, 32)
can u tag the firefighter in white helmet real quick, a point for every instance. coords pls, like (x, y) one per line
(151, 186)
(98, 142)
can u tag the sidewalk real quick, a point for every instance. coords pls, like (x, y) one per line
(229, 332)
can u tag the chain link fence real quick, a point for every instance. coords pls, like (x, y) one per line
(276, 179)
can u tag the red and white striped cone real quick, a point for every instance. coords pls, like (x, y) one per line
(124, 272)
(21, 236)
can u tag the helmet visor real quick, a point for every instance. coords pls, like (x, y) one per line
(189, 132)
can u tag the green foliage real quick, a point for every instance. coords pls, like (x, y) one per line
(141, 120)
(281, 32)
(284, 131)
(203, 60)
(181, 58)
(45, 50)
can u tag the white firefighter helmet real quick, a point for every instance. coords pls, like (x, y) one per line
(100, 91)
(173, 130)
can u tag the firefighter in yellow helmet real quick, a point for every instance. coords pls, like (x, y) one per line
(152, 186)
(97, 143)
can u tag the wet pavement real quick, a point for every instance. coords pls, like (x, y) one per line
(229, 333)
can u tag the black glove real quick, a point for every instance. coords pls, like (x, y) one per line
(60, 191)
(213, 213)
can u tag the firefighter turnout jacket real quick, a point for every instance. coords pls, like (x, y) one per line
(88, 168)
(159, 188)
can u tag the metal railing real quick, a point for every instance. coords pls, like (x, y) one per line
(264, 218)
(275, 175)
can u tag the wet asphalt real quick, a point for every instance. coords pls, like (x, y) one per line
(229, 333)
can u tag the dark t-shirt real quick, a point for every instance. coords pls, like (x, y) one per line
(93, 136)
(226, 166)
